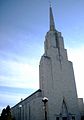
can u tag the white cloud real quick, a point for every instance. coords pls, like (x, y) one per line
(76, 55)
(20, 75)
(10, 99)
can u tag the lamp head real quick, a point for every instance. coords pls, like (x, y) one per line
(45, 99)
(20, 106)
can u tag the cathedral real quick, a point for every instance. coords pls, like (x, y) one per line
(56, 98)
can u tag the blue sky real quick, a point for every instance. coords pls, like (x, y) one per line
(23, 25)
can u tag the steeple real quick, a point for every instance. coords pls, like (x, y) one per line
(52, 24)
(53, 38)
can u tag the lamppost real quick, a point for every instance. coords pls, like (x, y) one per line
(20, 106)
(45, 100)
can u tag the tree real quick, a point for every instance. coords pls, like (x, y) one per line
(3, 114)
(6, 114)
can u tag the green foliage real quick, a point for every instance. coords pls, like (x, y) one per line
(6, 114)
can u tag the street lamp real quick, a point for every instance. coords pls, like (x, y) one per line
(45, 100)
(20, 106)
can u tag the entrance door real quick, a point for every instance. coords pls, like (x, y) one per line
(64, 118)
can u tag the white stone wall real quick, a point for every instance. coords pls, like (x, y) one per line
(31, 108)
(81, 106)
(57, 77)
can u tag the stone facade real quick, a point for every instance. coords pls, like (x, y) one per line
(30, 108)
(57, 83)
(81, 106)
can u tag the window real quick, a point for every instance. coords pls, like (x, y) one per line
(73, 118)
(57, 118)
(64, 118)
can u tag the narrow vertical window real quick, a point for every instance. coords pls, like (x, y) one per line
(73, 118)
(57, 118)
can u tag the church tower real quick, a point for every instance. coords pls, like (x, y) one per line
(57, 93)
(56, 77)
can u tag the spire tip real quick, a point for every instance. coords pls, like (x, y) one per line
(52, 24)
(50, 3)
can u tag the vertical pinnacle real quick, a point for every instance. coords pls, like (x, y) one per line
(52, 24)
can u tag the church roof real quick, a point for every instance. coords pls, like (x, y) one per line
(37, 93)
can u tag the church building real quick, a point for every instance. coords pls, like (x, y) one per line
(57, 97)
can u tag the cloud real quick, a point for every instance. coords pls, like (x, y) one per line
(10, 99)
(76, 55)
(19, 74)
(10, 95)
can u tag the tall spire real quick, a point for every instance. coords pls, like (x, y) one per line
(52, 24)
